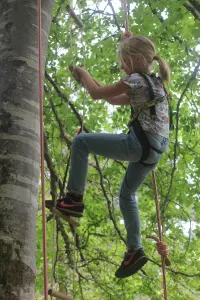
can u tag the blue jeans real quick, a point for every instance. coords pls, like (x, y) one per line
(124, 147)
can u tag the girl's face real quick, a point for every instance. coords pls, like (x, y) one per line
(127, 68)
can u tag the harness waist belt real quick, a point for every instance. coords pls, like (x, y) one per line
(139, 132)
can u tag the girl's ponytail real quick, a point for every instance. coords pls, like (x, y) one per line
(164, 68)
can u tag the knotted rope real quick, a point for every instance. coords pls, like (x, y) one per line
(161, 247)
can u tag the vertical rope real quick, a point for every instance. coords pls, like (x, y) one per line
(74, 268)
(84, 92)
(54, 218)
(160, 233)
(82, 127)
(53, 254)
(71, 45)
(124, 3)
(42, 150)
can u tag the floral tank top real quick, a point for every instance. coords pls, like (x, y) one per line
(139, 94)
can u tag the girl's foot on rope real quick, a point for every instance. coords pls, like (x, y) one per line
(133, 261)
(71, 205)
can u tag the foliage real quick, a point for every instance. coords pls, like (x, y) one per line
(99, 247)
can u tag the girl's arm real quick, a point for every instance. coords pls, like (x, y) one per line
(114, 94)
(96, 92)
(118, 100)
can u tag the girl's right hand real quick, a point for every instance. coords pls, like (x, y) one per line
(126, 34)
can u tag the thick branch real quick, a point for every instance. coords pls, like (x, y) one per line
(62, 131)
(65, 99)
(191, 8)
(196, 4)
(114, 15)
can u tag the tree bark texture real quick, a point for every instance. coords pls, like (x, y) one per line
(19, 143)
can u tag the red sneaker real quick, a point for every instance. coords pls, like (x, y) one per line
(133, 261)
(70, 205)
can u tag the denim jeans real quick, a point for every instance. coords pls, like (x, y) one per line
(124, 147)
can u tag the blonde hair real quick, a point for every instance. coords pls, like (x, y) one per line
(142, 48)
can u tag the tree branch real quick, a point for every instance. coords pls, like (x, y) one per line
(114, 15)
(175, 272)
(191, 8)
(53, 176)
(196, 4)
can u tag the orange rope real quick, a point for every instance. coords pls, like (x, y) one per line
(42, 150)
(126, 15)
(161, 247)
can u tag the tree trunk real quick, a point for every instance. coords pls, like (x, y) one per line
(19, 143)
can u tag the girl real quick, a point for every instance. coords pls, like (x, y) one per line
(142, 146)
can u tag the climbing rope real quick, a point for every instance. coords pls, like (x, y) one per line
(74, 266)
(42, 149)
(161, 247)
(74, 227)
(124, 3)
(84, 89)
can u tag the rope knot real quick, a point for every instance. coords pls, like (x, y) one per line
(161, 248)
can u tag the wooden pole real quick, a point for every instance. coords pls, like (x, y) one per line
(59, 295)
(74, 16)
(65, 217)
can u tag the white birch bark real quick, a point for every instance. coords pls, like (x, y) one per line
(19, 143)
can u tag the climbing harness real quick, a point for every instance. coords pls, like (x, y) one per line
(135, 123)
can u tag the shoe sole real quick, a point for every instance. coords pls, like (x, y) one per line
(131, 270)
(70, 212)
(49, 204)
